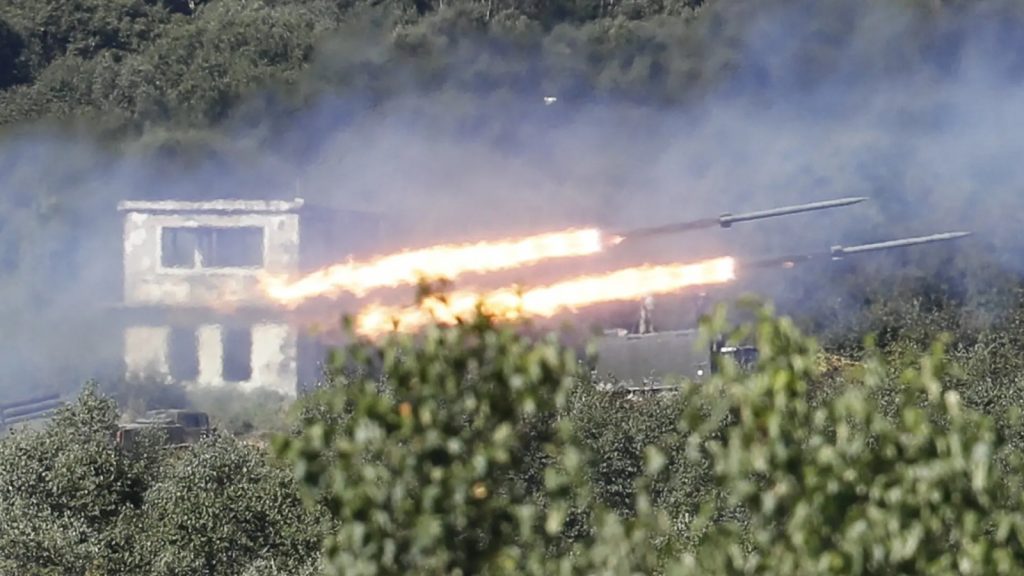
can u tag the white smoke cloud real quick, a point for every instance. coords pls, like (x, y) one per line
(930, 132)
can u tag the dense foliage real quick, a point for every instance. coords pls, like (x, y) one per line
(476, 449)
(190, 63)
(74, 502)
(423, 475)
(750, 473)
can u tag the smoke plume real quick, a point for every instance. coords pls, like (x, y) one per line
(754, 106)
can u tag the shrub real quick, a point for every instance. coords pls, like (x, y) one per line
(223, 505)
(421, 476)
(844, 486)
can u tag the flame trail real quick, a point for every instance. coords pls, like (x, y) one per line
(452, 260)
(445, 261)
(545, 301)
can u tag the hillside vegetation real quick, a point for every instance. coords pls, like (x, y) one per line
(135, 65)
(482, 451)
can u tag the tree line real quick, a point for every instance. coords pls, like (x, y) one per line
(133, 65)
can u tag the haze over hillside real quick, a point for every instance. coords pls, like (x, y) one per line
(436, 112)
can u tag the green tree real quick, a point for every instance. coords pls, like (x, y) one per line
(616, 430)
(421, 474)
(63, 490)
(223, 506)
(84, 28)
(12, 64)
(851, 486)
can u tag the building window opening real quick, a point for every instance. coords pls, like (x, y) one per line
(210, 247)
(193, 420)
(237, 354)
(183, 354)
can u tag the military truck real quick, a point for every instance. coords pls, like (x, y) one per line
(180, 427)
(646, 359)
(656, 361)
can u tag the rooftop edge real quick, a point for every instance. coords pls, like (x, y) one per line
(222, 205)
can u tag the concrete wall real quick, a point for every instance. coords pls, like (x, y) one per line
(146, 281)
(275, 353)
(273, 356)
(145, 351)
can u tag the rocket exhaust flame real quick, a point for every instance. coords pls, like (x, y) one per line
(546, 301)
(627, 284)
(438, 262)
(453, 260)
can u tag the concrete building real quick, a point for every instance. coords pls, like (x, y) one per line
(193, 308)
(204, 260)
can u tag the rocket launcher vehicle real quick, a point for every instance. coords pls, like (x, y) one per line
(650, 361)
